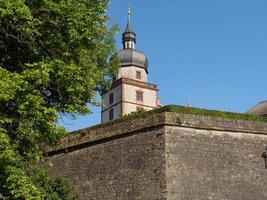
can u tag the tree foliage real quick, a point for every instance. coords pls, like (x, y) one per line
(53, 59)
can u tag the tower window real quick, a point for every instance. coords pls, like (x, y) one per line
(139, 96)
(138, 75)
(111, 114)
(111, 98)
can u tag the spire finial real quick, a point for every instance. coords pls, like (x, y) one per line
(129, 37)
(129, 14)
(129, 27)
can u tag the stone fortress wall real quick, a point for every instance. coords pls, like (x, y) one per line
(166, 155)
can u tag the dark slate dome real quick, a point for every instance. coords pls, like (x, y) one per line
(129, 56)
(132, 57)
(259, 109)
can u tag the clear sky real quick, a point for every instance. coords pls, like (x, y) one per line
(213, 52)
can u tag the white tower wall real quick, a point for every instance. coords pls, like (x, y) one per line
(130, 102)
(130, 90)
(131, 72)
(116, 105)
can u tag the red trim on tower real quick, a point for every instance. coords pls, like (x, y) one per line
(132, 82)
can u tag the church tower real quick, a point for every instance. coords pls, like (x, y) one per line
(130, 91)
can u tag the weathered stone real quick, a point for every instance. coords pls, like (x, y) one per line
(166, 156)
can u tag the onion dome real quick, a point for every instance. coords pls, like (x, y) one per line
(132, 57)
(129, 56)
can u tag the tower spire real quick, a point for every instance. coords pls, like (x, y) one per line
(129, 15)
(129, 37)
(129, 26)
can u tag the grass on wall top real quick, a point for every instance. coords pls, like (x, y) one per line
(187, 110)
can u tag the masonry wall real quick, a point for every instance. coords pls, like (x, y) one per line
(166, 156)
(131, 167)
(207, 164)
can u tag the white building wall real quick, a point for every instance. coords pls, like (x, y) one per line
(129, 108)
(116, 113)
(116, 97)
(125, 102)
(116, 105)
(130, 72)
(130, 102)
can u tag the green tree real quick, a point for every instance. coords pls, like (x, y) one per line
(53, 59)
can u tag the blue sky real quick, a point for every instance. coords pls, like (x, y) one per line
(211, 51)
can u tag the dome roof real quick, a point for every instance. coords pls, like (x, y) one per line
(132, 57)
(259, 109)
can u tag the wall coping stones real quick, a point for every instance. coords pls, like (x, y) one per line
(216, 123)
(131, 125)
